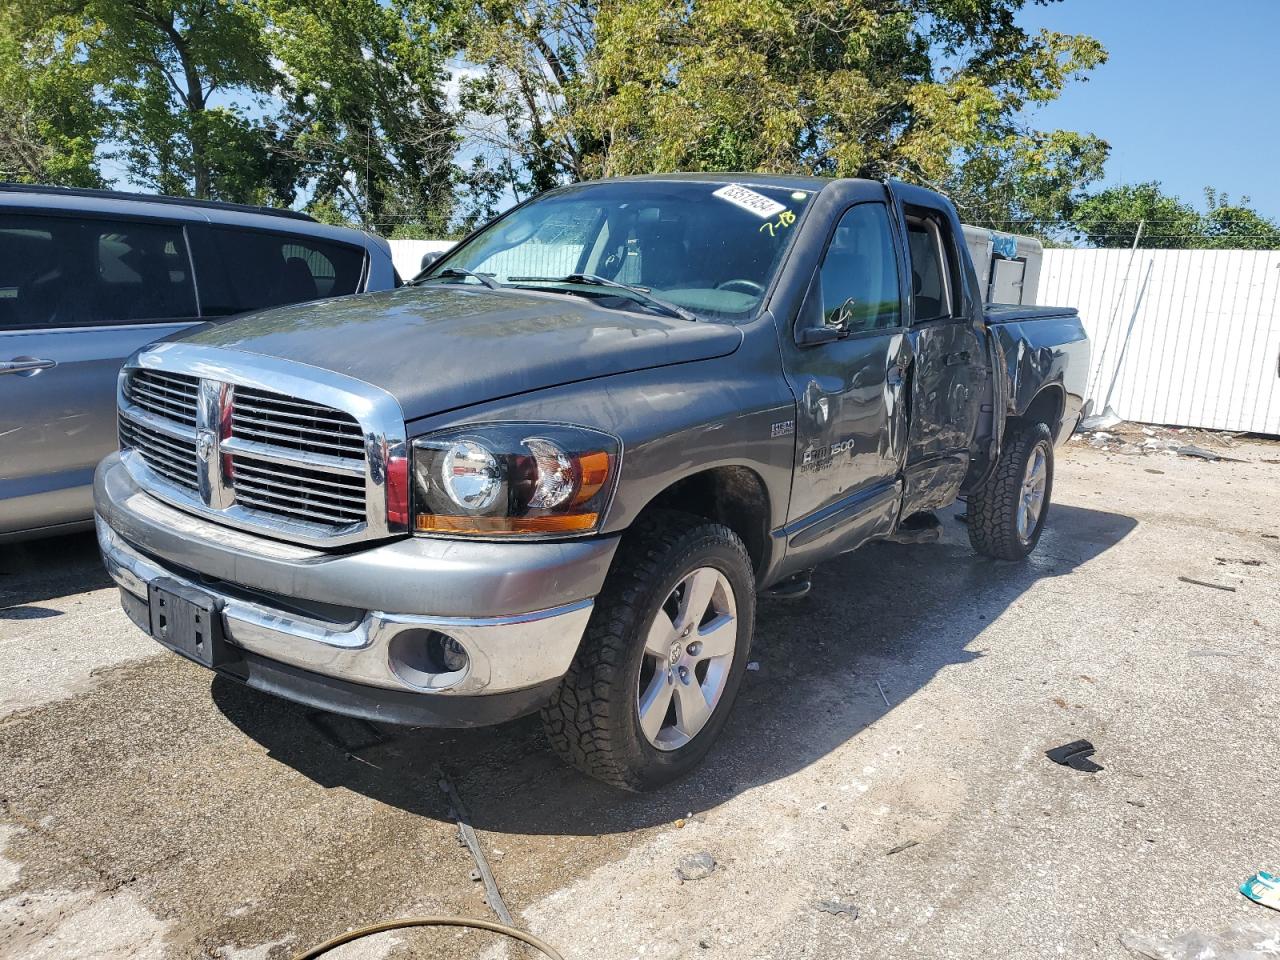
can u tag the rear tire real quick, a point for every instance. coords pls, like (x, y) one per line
(663, 656)
(1007, 515)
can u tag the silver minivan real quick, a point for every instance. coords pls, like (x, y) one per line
(87, 277)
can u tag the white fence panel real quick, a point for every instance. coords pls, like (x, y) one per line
(1186, 337)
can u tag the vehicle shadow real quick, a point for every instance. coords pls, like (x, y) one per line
(34, 571)
(886, 618)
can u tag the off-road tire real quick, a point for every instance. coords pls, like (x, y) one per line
(592, 720)
(993, 509)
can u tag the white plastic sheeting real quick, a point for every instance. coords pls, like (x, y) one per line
(1185, 337)
(407, 254)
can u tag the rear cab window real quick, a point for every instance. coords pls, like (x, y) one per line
(242, 270)
(87, 271)
(935, 272)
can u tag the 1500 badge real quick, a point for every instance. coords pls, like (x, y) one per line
(820, 458)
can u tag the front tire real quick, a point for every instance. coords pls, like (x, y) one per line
(663, 656)
(1007, 515)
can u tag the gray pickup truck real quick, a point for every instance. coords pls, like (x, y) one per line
(555, 472)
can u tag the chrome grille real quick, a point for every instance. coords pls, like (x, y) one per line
(281, 463)
(174, 458)
(169, 395)
(311, 494)
(295, 425)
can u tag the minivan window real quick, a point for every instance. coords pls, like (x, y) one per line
(64, 271)
(254, 269)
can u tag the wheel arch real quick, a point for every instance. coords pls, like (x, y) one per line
(734, 495)
(1047, 406)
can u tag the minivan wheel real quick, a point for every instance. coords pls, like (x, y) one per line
(1007, 515)
(663, 656)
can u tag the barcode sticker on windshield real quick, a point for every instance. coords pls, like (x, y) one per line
(756, 203)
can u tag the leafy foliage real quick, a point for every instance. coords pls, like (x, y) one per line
(1111, 218)
(50, 123)
(366, 117)
(929, 90)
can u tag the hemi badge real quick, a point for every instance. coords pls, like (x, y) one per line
(782, 428)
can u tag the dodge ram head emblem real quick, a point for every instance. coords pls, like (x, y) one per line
(204, 445)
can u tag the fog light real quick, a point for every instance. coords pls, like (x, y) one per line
(427, 658)
(449, 653)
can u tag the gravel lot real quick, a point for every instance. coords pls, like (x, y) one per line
(149, 811)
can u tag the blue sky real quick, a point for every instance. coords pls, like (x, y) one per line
(1189, 97)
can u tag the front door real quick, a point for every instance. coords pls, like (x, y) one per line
(948, 367)
(77, 296)
(847, 380)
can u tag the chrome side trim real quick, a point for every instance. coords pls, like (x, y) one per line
(223, 369)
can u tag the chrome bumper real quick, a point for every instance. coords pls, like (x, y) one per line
(506, 652)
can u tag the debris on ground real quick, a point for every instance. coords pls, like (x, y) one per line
(883, 695)
(1208, 583)
(1243, 561)
(697, 866)
(1101, 421)
(1263, 888)
(1191, 450)
(1132, 439)
(1247, 940)
(837, 907)
(1075, 755)
(903, 846)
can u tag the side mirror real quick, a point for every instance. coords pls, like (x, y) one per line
(811, 323)
(429, 258)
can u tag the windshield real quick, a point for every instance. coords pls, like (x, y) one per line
(709, 248)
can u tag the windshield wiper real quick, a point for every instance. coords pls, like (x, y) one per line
(460, 272)
(591, 279)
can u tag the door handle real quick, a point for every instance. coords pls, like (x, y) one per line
(954, 359)
(26, 366)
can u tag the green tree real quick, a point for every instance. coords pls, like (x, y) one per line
(185, 78)
(932, 90)
(1110, 218)
(366, 113)
(1236, 226)
(50, 122)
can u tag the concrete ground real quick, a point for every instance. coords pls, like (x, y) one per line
(888, 755)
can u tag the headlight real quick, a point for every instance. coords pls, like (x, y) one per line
(513, 479)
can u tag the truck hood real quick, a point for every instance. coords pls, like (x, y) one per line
(443, 347)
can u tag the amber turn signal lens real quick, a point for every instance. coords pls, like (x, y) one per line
(595, 471)
(498, 526)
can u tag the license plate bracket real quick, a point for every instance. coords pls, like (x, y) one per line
(188, 621)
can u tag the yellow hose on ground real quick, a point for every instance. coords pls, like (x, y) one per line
(386, 925)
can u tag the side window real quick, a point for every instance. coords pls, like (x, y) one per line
(243, 270)
(63, 271)
(860, 289)
(931, 275)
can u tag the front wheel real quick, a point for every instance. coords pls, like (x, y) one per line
(1007, 515)
(663, 656)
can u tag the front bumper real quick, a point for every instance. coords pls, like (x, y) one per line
(322, 628)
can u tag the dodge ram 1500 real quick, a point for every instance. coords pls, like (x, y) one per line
(555, 471)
